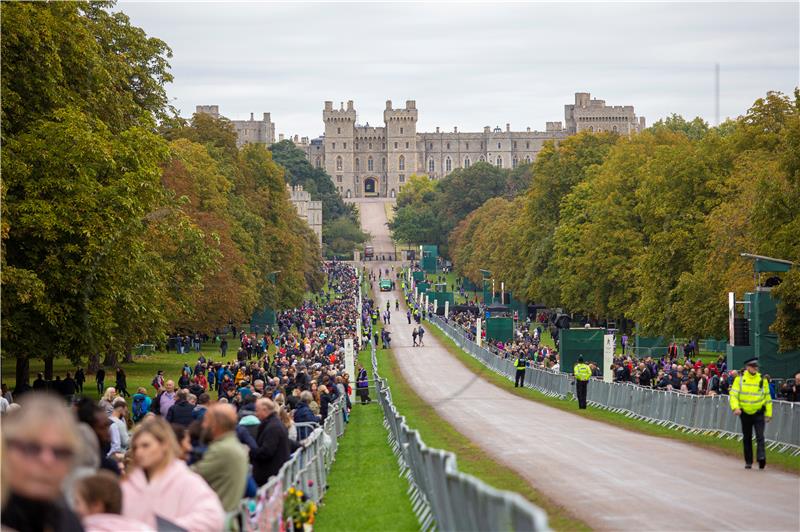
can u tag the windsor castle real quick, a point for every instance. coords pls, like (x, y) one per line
(366, 161)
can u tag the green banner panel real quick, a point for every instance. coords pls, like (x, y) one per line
(577, 342)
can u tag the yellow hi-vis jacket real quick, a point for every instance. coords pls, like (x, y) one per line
(582, 372)
(519, 364)
(751, 393)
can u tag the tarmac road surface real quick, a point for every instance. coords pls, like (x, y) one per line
(611, 478)
(373, 221)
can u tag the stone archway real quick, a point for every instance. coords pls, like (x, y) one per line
(370, 187)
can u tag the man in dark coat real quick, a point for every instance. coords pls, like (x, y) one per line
(272, 440)
(100, 378)
(181, 411)
(80, 378)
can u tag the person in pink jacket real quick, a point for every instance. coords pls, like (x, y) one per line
(161, 486)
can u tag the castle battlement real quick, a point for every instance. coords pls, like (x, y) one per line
(247, 131)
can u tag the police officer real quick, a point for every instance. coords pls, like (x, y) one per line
(519, 376)
(582, 374)
(750, 400)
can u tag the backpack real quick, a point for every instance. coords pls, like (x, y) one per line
(139, 409)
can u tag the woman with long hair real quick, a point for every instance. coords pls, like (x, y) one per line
(161, 487)
(107, 400)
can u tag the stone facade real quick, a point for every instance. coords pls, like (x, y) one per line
(594, 115)
(376, 161)
(247, 131)
(308, 210)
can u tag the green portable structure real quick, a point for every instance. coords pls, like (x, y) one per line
(655, 346)
(261, 319)
(441, 297)
(577, 342)
(760, 311)
(520, 307)
(469, 286)
(499, 323)
(423, 286)
(430, 254)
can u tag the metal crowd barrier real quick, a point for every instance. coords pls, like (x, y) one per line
(442, 497)
(307, 470)
(700, 414)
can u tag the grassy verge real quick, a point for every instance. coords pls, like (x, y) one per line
(731, 447)
(472, 459)
(366, 491)
(140, 372)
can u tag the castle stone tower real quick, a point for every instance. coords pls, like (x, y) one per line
(339, 149)
(401, 145)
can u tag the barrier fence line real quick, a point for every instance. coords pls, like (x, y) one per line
(443, 497)
(307, 470)
(697, 414)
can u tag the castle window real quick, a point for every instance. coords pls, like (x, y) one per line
(338, 131)
(345, 145)
(358, 164)
(383, 146)
(370, 145)
(514, 162)
(339, 179)
(515, 144)
(406, 145)
(528, 145)
(430, 166)
(369, 164)
(318, 163)
(334, 145)
(466, 162)
(402, 178)
(339, 163)
(481, 144)
(591, 128)
(401, 164)
(467, 145)
(448, 145)
(614, 129)
(356, 145)
(383, 164)
(395, 145)
(528, 159)
(430, 146)
(499, 162)
(498, 146)
(482, 159)
(401, 130)
(448, 165)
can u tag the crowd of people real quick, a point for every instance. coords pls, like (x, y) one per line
(179, 456)
(680, 369)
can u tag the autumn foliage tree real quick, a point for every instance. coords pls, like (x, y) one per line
(648, 229)
(116, 231)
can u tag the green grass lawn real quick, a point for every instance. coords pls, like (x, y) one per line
(365, 489)
(140, 372)
(731, 447)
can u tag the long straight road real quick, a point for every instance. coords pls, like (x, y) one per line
(374, 222)
(611, 478)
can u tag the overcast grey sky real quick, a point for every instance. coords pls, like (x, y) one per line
(471, 64)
